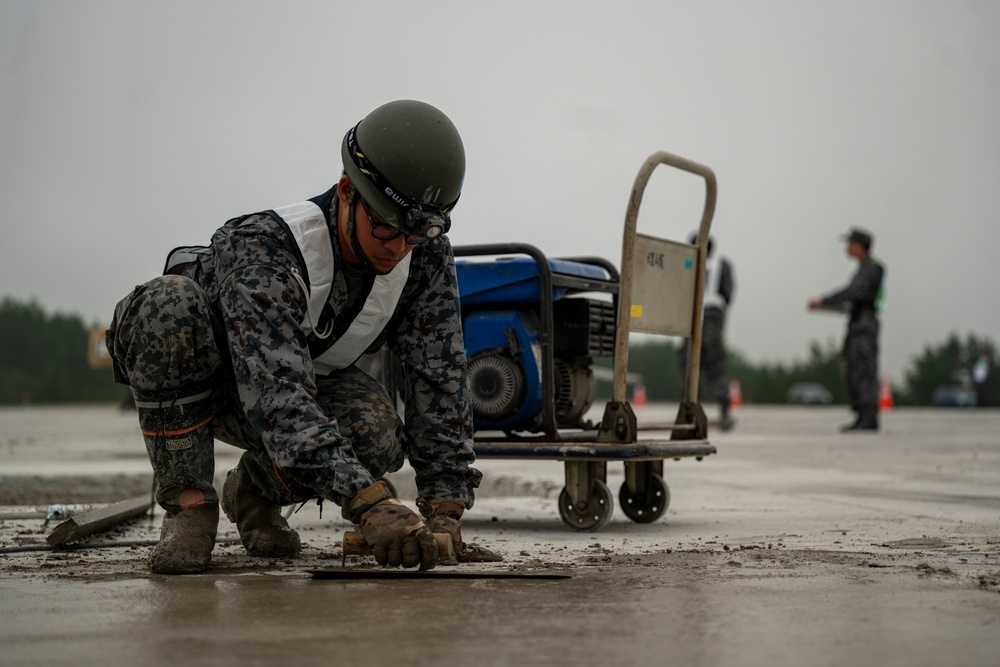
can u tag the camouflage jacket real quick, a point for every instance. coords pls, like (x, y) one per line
(859, 297)
(249, 272)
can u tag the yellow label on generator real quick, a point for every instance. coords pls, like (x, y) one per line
(636, 310)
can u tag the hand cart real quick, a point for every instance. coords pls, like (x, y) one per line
(522, 366)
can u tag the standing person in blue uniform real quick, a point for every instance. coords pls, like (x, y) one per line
(253, 340)
(860, 299)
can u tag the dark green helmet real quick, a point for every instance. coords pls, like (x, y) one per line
(406, 160)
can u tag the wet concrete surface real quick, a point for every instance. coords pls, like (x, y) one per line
(793, 545)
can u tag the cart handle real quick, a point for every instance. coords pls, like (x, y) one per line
(628, 255)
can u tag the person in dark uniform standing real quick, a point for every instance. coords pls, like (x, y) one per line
(720, 286)
(861, 300)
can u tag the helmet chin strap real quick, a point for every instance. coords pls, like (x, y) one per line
(352, 230)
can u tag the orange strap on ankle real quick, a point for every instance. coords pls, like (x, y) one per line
(191, 498)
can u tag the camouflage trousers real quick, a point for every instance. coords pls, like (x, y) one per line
(713, 380)
(169, 347)
(861, 365)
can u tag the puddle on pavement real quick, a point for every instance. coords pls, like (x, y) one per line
(535, 621)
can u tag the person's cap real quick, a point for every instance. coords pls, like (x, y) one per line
(862, 237)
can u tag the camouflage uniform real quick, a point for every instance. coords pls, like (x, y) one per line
(861, 342)
(232, 321)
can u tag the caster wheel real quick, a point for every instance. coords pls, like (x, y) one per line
(646, 507)
(597, 511)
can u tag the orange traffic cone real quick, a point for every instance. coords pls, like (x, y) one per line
(885, 401)
(639, 394)
(735, 393)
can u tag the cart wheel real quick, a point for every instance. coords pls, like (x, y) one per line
(646, 507)
(600, 507)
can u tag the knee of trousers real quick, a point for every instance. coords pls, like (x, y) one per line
(367, 416)
(162, 336)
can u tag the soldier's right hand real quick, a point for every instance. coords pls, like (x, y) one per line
(394, 532)
(397, 536)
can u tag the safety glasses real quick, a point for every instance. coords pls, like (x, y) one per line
(430, 223)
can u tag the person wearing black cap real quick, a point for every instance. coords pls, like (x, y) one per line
(861, 300)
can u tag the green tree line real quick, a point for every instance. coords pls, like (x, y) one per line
(43, 359)
(951, 362)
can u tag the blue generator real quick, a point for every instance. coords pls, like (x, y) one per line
(533, 327)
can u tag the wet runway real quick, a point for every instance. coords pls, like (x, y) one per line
(793, 545)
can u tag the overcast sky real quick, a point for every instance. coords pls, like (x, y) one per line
(129, 128)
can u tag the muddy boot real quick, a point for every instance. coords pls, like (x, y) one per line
(176, 427)
(263, 531)
(868, 420)
(186, 540)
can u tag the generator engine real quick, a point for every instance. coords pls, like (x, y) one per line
(501, 312)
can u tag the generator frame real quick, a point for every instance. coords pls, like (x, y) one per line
(659, 291)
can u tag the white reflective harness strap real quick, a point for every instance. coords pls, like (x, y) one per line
(312, 235)
(713, 281)
(366, 327)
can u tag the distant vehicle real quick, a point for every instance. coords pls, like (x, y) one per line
(953, 396)
(809, 393)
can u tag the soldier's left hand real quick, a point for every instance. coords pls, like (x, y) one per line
(444, 515)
